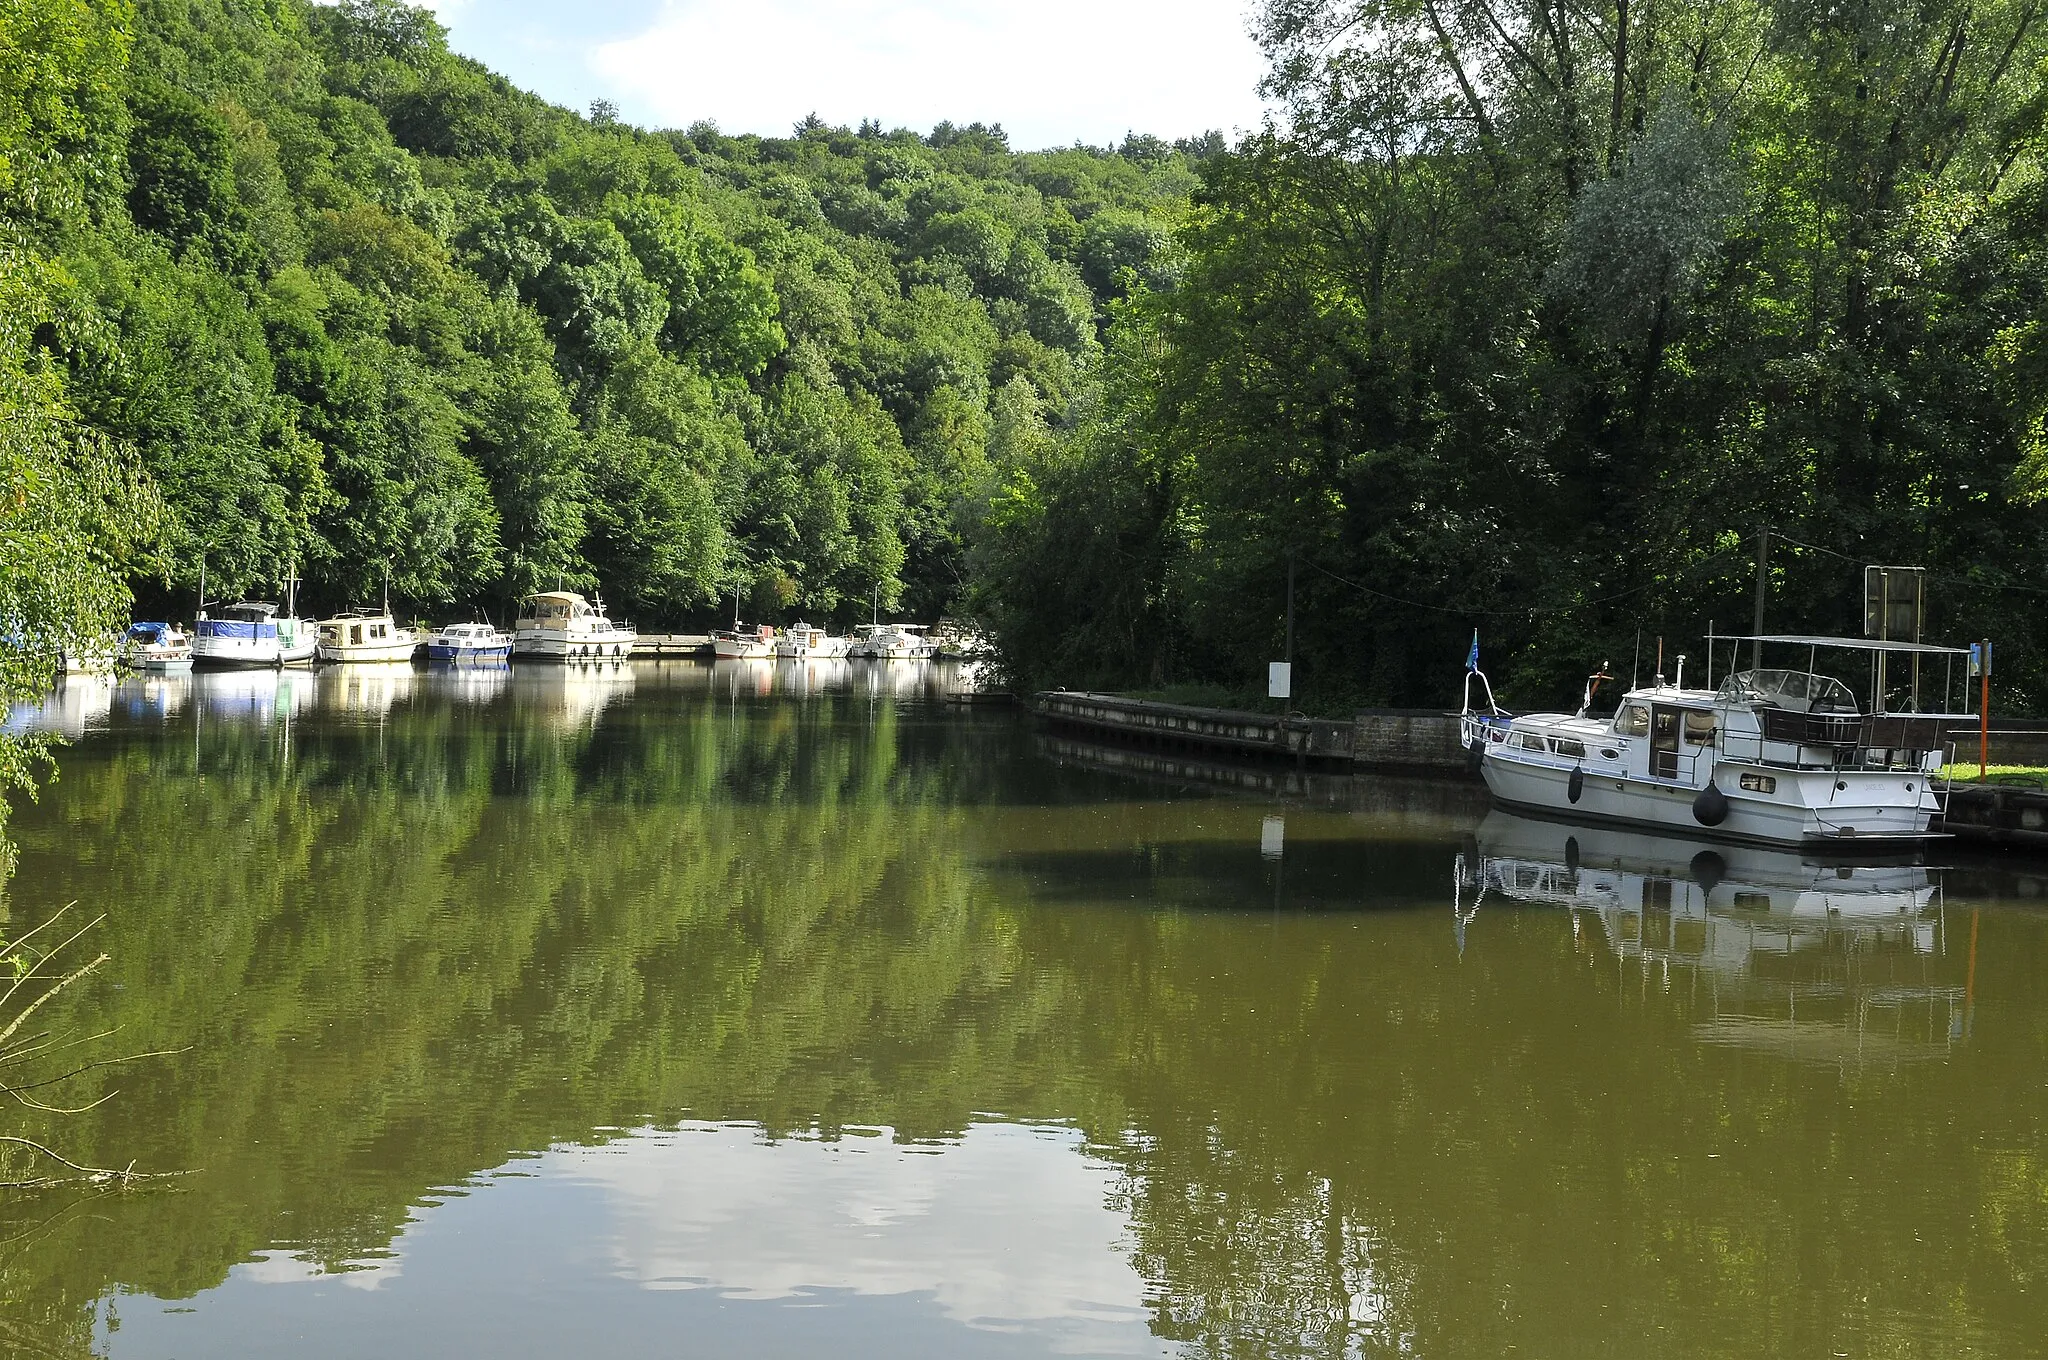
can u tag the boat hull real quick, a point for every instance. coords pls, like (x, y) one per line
(726, 649)
(236, 653)
(546, 645)
(1837, 809)
(492, 654)
(380, 652)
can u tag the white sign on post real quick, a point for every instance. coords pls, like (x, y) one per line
(1273, 837)
(1279, 680)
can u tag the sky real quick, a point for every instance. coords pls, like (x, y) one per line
(1052, 72)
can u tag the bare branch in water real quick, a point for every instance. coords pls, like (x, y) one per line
(95, 1175)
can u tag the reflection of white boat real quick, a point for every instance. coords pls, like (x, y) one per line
(156, 647)
(250, 692)
(1777, 931)
(358, 688)
(1782, 757)
(469, 683)
(79, 703)
(807, 643)
(366, 635)
(560, 625)
(153, 695)
(570, 696)
(810, 677)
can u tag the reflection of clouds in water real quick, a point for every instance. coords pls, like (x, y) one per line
(282, 1267)
(1007, 1229)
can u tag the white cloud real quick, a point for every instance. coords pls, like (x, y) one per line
(1008, 1229)
(1052, 72)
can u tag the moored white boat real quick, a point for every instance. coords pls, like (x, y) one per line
(748, 642)
(560, 625)
(474, 643)
(1780, 757)
(900, 642)
(366, 636)
(806, 643)
(159, 647)
(245, 633)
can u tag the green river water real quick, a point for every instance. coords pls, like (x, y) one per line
(689, 1011)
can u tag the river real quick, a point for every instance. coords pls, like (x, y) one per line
(705, 1011)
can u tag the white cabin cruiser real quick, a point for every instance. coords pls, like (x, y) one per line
(806, 643)
(469, 642)
(1777, 757)
(247, 633)
(366, 635)
(560, 625)
(160, 647)
(894, 642)
(748, 642)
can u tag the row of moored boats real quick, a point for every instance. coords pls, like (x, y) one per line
(803, 642)
(554, 625)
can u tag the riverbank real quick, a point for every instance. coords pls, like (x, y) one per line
(1409, 740)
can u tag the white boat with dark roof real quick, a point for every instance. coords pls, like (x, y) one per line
(1774, 756)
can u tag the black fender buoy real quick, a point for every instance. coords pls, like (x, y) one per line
(1576, 785)
(1475, 755)
(1708, 869)
(1711, 807)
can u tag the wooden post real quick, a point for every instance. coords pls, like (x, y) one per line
(1984, 718)
(1763, 576)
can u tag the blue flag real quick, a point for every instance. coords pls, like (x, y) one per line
(1472, 658)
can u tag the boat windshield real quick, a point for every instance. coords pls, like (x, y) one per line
(1798, 691)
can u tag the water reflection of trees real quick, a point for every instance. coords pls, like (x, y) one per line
(405, 952)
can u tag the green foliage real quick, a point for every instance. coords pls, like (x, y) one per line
(1527, 321)
(371, 309)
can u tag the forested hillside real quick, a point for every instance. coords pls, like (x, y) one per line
(1530, 320)
(354, 305)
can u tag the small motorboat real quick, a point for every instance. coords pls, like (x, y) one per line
(157, 647)
(469, 643)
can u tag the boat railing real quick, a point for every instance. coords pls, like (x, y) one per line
(1844, 741)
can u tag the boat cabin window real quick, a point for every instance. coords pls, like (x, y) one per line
(1799, 691)
(1569, 746)
(1699, 728)
(1529, 741)
(1632, 720)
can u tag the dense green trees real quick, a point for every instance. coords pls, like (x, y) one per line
(357, 306)
(1529, 319)
(1526, 319)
